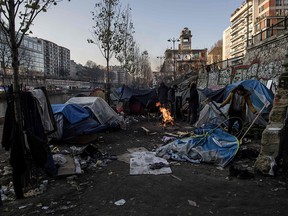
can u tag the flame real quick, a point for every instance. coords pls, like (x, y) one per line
(167, 118)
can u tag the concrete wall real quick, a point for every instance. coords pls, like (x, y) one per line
(266, 58)
(263, 61)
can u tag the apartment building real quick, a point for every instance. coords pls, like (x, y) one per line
(64, 61)
(226, 44)
(268, 13)
(241, 29)
(56, 60)
(254, 19)
(37, 58)
(31, 56)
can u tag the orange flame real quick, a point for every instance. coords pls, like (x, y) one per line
(167, 118)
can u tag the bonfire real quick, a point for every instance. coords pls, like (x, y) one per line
(166, 115)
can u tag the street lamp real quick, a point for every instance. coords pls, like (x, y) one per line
(173, 40)
(160, 57)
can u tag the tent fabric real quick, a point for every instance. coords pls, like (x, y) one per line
(59, 121)
(72, 121)
(135, 99)
(43, 108)
(216, 95)
(138, 103)
(125, 92)
(73, 112)
(103, 112)
(144, 98)
(210, 145)
(86, 127)
(210, 114)
(260, 95)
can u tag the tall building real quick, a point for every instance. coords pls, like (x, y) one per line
(64, 61)
(31, 55)
(56, 60)
(241, 29)
(31, 61)
(268, 13)
(51, 58)
(226, 44)
(254, 19)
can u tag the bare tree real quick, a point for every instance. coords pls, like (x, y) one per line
(96, 74)
(16, 17)
(91, 64)
(219, 43)
(126, 54)
(141, 68)
(106, 33)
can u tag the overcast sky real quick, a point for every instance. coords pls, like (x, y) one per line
(69, 24)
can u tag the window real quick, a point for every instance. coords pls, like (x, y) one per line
(268, 23)
(278, 2)
(261, 9)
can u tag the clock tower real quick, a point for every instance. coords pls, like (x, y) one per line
(185, 39)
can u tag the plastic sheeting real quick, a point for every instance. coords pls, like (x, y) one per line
(209, 145)
(103, 112)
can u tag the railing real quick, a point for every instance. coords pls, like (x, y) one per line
(276, 29)
(226, 63)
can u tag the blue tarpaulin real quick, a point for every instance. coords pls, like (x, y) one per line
(73, 112)
(210, 144)
(260, 94)
(73, 120)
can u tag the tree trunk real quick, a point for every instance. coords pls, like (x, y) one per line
(108, 80)
(16, 93)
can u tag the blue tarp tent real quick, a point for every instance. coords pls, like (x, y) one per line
(134, 99)
(210, 144)
(73, 113)
(72, 121)
(260, 94)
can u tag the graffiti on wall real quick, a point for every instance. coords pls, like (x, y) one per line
(256, 70)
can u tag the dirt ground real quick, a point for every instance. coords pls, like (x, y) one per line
(191, 189)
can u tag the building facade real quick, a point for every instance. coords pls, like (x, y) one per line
(226, 51)
(183, 60)
(268, 13)
(253, 21)
(241, 29)
(56, 60)
(31, 61)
